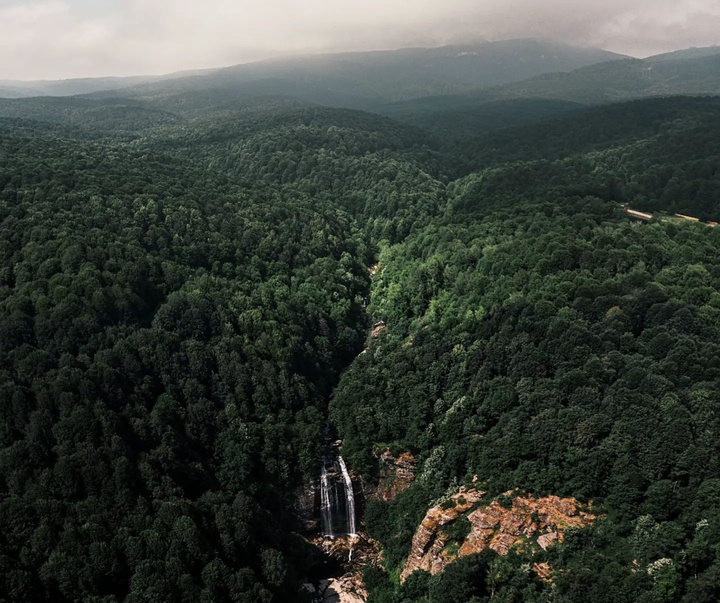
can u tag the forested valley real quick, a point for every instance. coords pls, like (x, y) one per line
(187, 285)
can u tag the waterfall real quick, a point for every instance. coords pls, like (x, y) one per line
(337, 499)
(349, 498)
(325, 504)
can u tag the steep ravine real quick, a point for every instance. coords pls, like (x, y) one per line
(465, 523)
(329, 514)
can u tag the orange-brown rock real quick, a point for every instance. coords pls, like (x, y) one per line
(396, 474)
(546, 540)
(528, 522)
(429, 541)
(543, 571)
(378, 329)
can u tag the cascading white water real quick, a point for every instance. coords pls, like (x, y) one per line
(349, 498)
(326, 506)
(337, 499)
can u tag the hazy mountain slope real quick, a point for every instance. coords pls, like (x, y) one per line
(464, 115)
(389, 75)
(412, 72)
(687, 53)
(8, 90)
(692, 72)
(619, 80)
(71, 87)
(231, 96)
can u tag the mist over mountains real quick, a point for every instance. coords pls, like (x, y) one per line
(458, 89)
(389, 75)
(415, 80)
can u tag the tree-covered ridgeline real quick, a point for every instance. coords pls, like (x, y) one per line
(388, 176)
(655, 155)
(183, 289)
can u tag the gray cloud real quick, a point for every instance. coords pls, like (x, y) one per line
(75, 38)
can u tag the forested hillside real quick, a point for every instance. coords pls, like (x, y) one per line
(656, 154)
(531, 100)
(168, 345)
(559, 349)
(463, 117)
(186, 289)
(621, 80)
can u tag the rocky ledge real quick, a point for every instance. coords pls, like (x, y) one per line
(352, 554)
(396, 474)
(498, 524)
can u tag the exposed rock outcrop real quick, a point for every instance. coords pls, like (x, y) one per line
(351, 554)
(336, 590)
(378, 329)
(396, 474)
(499, 524)
(346, 589)
(543, 571)
(429, 541)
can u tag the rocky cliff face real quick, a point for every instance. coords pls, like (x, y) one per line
(498, 524)
(396, 474)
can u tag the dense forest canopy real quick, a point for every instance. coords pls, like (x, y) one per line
(185, 297)
(168, 345)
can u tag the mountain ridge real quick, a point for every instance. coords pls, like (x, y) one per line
(387, 73)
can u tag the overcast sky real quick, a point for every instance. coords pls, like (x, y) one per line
(78, 38)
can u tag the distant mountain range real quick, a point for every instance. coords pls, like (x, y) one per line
(620, 80)
(458, 91)
(517, 102)
(688, 53)
(72, 87)
(353, 78)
